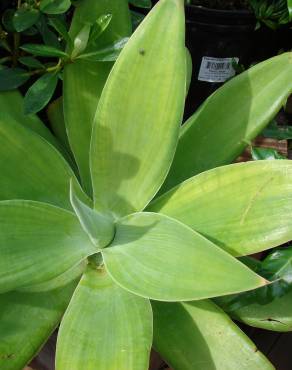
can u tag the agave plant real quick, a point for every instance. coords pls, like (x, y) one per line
(124, 251)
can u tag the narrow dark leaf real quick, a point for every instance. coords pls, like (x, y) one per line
(137, 18)
(60, 27)
(55, 6)
(107, 54)
(48, 36)
(12, 78)
(31, 62)
(43, 50)
(141, 3)
(7, 20)
(40, 93)
(25, 18)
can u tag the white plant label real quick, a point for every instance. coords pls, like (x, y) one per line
(216, 69)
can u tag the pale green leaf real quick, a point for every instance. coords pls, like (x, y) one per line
(99, 227)
(104, 328)
(58, 282)
(84, 81)
(11, 106)
(31, 168)
(230, 118)
(275, 316)
(244, 208)
(198, 335)
(128, 161)
(27, 321)
(38, 242)
(159, 258)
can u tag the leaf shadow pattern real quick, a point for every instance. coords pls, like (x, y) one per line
(112, 172)
(168, 317)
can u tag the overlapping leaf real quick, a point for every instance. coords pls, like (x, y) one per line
(229, 119)
(38, 242)
(244, 208)
(31, 168)
(27, 321)
(84, 81)
(159, 258)
(198, 335)
(141, 107)
(105, 327)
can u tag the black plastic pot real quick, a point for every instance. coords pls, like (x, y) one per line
(216, 39)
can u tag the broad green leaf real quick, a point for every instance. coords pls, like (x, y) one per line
(230, 118)
(31, 168)
(40, 93)
(55, 115)
(43, 50)
(276, 315)
(31, 62)
(244, 208)
(141, 3)
(159, 258)
(107, 54)
(27, 321)
(60, 281)
(104, 328)
(99, 227)
(198, 335)
(54, 6)
(12, 78)
(11, 107)
(25, 17)
(259, 154)
(38, 242)
(127, 167)
(84, 81)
